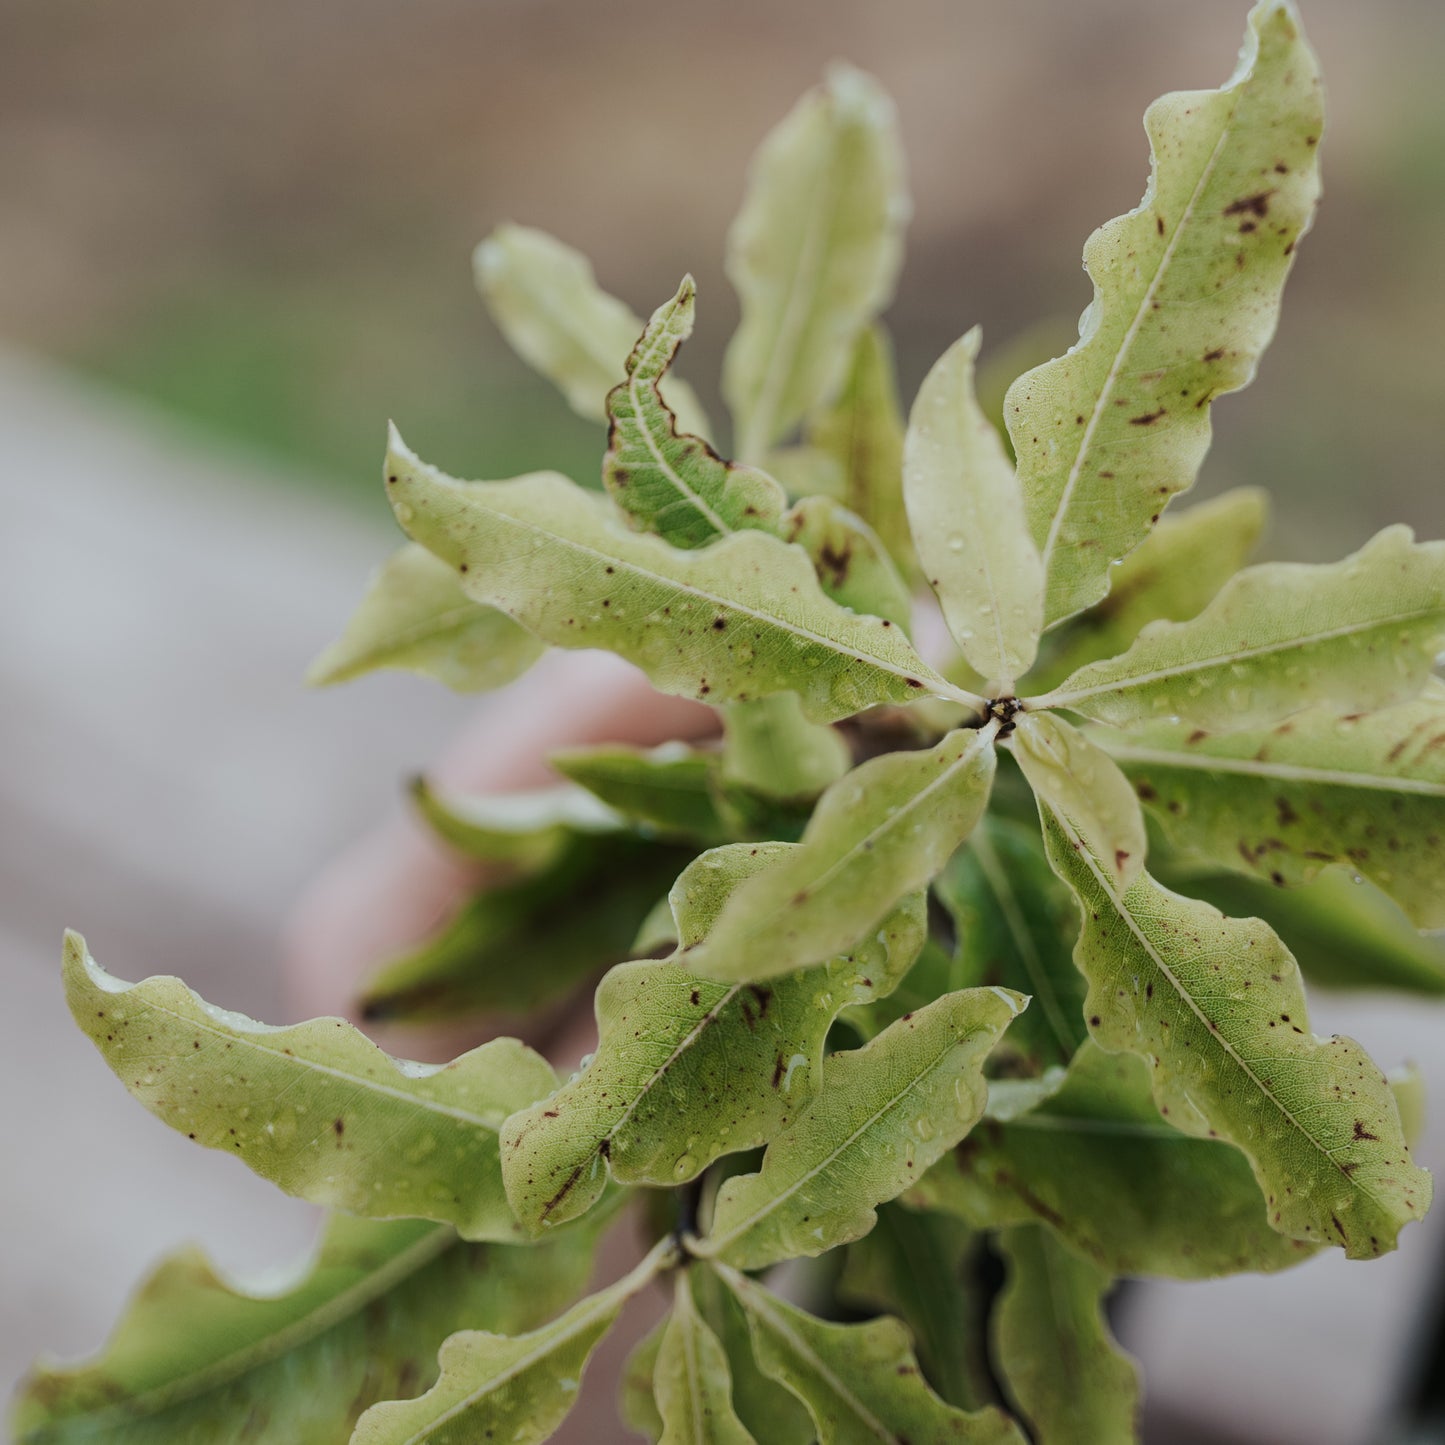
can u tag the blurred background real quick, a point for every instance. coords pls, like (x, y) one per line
(234, 240)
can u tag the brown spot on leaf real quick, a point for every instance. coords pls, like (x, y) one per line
(1148, 419)
(1255, 205)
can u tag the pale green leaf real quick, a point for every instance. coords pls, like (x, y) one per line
(851, 561)
(685, 1069)
(416, 617)
(1362, 633)
(691, 1379)
(883, 1115)
(526, 830)
(934, 972)
(1061, 1366)
(544, 297)
(738, 620)
(316, 1108)
(1014, 922)
(516, 1388)
(805, 471)
(1173, 574)
(922, 1266)
(676, 485)
(863, 432)
(1366, 790)
(861, 1383)
(967, 515)
(669, 788)
(1217, 1004)
(636, 1403)
(517, 946)
(770, 748)
(194, 1358)
(813, 253)
(1075, 1164)
(1077, 779)
(1186, 297)
(881, 832)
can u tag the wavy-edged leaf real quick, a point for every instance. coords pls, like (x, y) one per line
(1173, 574)
(670, 788)
(771, 749)
(1186, 297)
(517, 946)
(861, 1383)
(933, 973)
(194, 1358)
(883, 1115)
(967, 515)
(517, 1388)
(1074, 1163)
(1362, 633)
(685, 1069)
(316, 1108)
(1014, 923)
(813, 253)
(740, 619)
(1343, 934)
(415, 617)
(544, 297)
(672, 484)
(1062, 1367)
(1218, 1006)
(863, 432)
(851, 561)
(1077, 779)
(921, 1266)
(1366, 790)
(526, 830)
(691, 1379)
(881, 832)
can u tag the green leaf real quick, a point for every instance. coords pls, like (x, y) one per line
(1344, 934)
(543, 296)
(1366, 790)
(685, 1069)
(1075, 1164)
(813, 253)
(1062, 1367)
(676, 485)
(1186, 297)
(527, 830)
(669, 788)
(934, 972)
(883, 1115)
(517, 946)
(920, 1266)
(851, 562)
(861, 1383)
(863, 432)
(1075, 778)
(636, 1403)
(880, 833)
(1362, 633)
(316, 1108)
(692, 1380)
(738, 620)
(967, 515)
(1218, 1005)
(193, 1358)
(1173, 574)
(416, 617)
(1015, 922)
(516, 1388)
(770, 748)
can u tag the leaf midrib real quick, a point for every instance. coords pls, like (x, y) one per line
(1279, 772)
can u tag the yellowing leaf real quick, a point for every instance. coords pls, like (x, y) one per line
(738, 620)
(1362, 633)
(1186, 297)
(316, 1108)
(691, 1379)
(967, 515)
(416, 617)
(852, 563)
(813, 254)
